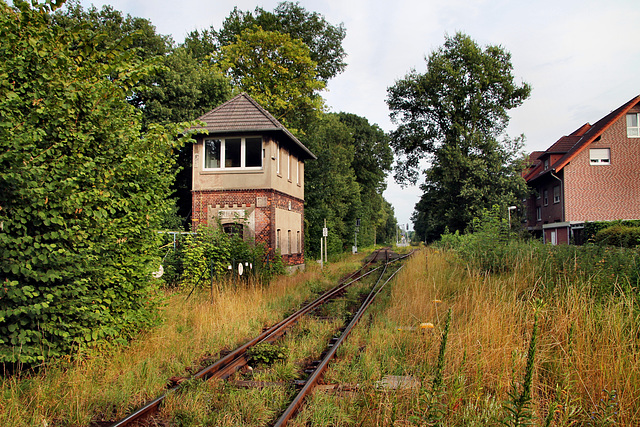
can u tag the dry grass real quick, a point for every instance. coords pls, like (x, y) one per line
(108, 384)
(587, 350)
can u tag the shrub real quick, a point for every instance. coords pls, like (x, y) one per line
(619, 235)
(212, 251)
(82, 189)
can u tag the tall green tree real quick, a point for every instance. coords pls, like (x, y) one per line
(331, 189)
(453, 118)
(323, 39)
(82, 188)
(276, 71)
(183, 86)
(372, 161)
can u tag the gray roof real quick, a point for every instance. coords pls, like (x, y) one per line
(243, 114)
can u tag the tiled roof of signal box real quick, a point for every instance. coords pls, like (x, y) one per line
(243, 114)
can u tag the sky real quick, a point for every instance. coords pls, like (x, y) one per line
(581, 57)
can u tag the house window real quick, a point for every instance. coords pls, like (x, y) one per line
(228, 153)
(600, 156)
(297, 172)
(299, 243)
(539, 213)
(545, 198)
(539, 194)
(556, 194)
(278, 238)
(633, 125)
(278, 158)
(289, 242)
(546, 164)
(289, 166)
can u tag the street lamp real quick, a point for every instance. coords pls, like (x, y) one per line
(509, 209)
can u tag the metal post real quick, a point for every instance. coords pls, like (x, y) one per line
(325, 242)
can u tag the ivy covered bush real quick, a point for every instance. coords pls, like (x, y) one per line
(82, 189)
(211, 250)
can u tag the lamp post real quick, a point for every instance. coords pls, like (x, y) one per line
(509, 209)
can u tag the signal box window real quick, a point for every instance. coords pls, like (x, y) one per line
(233, 153)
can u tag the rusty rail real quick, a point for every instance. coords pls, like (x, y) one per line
(233, 361)
(313, 379)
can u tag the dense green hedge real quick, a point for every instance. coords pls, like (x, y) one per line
(624, 236)
(82, 190)
(591, 229)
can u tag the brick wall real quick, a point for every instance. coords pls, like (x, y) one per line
(262, 205)
(552, 211)
(605, 192)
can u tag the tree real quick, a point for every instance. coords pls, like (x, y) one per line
(452, 116)
(82, 188)
(276, 71)
(183, 87)
(372, 160)
(331, 190)
(323, 39)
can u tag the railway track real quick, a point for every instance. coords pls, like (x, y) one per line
(235, 360)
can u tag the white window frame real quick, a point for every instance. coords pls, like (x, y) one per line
(556, 194)
(278, 239)
(288, 166)
(298, 172)
(633, 131)
(278, 158)
(243, 154)
(600, 156)
(545, 197)
(539, 213)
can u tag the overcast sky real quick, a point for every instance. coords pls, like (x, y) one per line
(581, 57)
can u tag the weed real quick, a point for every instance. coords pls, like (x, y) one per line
(266, 354)
(518, 407)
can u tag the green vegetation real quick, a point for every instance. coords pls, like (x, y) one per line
(92, 102)
(82, 189)
(453, 117)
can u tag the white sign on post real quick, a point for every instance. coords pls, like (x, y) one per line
(325, 232)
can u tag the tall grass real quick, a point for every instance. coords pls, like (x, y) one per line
(587, 345)
(108, 383)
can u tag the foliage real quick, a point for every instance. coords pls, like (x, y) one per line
(276, 70)
(266, 354)
(82, 189)
(346, 183)
(518, 408)
(323, 39)
(211, 251)
(489, 247)
(452, 117)
(619, 235)
(331, 190)
(111, 27)
(181, 88)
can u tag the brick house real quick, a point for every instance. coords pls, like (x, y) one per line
(592, 174)
(248, 176)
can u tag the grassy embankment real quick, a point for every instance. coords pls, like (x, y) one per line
(108, 384)
(583, 368)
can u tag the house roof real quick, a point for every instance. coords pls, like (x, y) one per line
(573, 144)
(243, 114)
